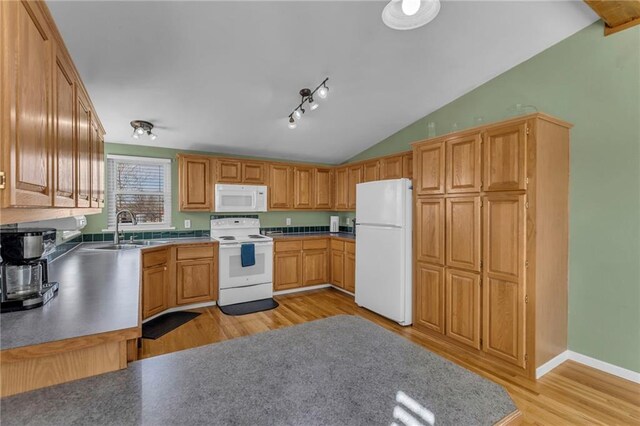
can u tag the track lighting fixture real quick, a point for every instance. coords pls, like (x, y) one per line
(307, 96)
(141, 127)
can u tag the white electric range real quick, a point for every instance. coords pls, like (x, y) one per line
(238, 284)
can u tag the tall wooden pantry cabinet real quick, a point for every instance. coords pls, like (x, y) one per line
(491, 241)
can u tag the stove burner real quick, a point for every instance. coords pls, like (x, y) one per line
(256, 236)
(227, 238)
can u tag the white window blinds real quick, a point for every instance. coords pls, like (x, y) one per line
(141, 185)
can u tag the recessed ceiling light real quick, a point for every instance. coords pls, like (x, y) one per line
(394, 15)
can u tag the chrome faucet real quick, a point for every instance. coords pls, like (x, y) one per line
(116, 236)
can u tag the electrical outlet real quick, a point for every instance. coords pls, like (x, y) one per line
(288, 221)
(187, 223)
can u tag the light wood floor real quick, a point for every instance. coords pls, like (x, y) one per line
(570, 394)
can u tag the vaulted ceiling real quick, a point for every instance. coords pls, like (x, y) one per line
(223, 76)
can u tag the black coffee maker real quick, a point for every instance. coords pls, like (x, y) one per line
(24, 282)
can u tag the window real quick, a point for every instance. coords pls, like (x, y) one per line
(141, 185)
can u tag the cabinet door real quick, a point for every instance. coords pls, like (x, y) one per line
(287, 270)
(429, 168)
(504, 289)
(195, 183)
(337, 268)
(303, 188)
(195, 281)
(254, 173)
(64, 151)
(504, 157)
(463, 232)
(429, 298)
(97, 152)
(229, 171)
(463, 307)
(280, 187)
(314, 267)
(154, 290)
(430, 227)
(391, 167)
(407, 166)
(28, 91)
(350, 272)
(323, 183)
(371, 171)
(341, 189)
(83, 143)
(463, 164)
(355, 177)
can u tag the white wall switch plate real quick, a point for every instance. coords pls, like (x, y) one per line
(187, 223)
(288, 221)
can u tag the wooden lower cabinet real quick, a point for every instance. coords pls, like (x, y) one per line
(195, 281)
(337, 268)
(463, 307)
(314, 267)
(154, 290)
(350, 272)
(287, 270)
(429, 297)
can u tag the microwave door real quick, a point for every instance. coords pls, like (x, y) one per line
(236, 201)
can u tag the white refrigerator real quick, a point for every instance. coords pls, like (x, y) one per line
(383, 248)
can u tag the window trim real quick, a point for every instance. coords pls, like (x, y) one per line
(164, 226)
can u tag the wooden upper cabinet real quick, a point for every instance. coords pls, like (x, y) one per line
(341, 201)
(254, 173)
(280, 186)
(503, 277)
(354, 178)
(429, 301)
(229, 171)
(463, 307)
(28, 90)
(83, 145)
(97, 166)
(303, 188)
(371, 171)
(195, 281)
(463, 233)
(64, 150)
(323, 185)
(195, 183)
(407, 166)
(391, 167)
(430, 230)
(463, 164)
(429, 166)
(505, 157)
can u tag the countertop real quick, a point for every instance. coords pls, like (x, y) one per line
(296, 236)
(99, 292)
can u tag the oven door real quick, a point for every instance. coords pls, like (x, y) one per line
(233, 274)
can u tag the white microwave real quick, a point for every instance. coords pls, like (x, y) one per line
(240, 198)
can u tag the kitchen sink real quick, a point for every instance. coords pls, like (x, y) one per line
(128, 246)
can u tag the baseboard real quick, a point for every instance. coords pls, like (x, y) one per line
(182, 308)
(301, 289)
(590, 362)
(343, 290)
(551, 364)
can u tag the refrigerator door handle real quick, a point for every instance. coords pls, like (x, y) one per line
(378, 225)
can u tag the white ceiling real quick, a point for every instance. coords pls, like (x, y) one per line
(223, 76)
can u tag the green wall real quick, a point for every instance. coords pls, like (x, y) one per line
(593, 82)
(199, 221)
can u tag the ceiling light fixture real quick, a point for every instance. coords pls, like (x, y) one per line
(307, 96)
(140, 127)
(409, 14)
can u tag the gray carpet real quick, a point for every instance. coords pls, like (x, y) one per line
(343, 370)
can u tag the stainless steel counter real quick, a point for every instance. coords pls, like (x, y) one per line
(99, 292)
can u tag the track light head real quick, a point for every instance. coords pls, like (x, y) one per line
(323, 92)
(297, 114)
(292, 123)
(312, 104)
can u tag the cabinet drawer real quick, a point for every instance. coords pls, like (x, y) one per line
(288, 246)
(195, 252)
(315, 244)
(350, 248)
(337, 245)
(155, 258)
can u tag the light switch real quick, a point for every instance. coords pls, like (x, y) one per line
(288, 221)
(187, 223)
